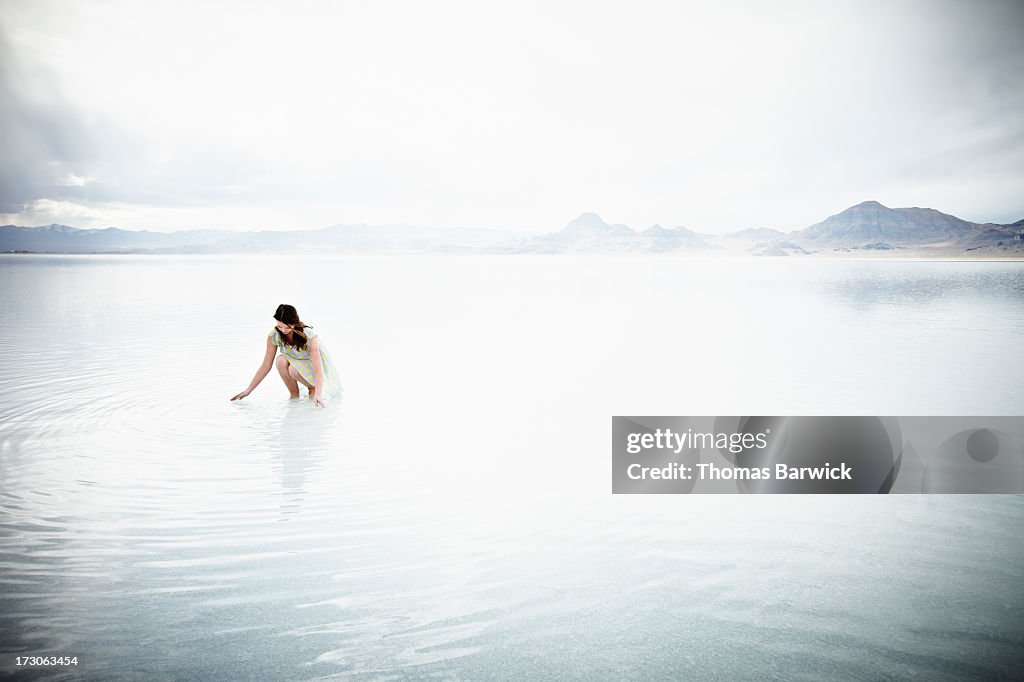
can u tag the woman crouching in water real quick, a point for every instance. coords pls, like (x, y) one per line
(302, 360)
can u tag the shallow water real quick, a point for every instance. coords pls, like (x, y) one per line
(451, 514)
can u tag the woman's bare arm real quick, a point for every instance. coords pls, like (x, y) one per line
(318, 370)
(262, 372)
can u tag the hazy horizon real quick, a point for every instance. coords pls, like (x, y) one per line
(713, 116)
(445, 227)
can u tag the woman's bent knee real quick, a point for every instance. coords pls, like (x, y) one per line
(282, 363)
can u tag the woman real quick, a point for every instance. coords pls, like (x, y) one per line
(302, 360)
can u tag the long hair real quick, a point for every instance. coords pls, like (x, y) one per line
(290, 316)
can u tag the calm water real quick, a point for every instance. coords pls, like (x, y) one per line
(450, 516)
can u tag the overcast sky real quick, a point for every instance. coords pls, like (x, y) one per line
(711, 115)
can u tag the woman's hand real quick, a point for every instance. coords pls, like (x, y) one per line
(241, 395)
(318, 402)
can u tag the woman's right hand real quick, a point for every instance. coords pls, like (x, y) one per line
(241, 395)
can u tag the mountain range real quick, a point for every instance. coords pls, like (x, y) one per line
(869, 228)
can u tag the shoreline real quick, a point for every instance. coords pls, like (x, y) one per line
(733, 256)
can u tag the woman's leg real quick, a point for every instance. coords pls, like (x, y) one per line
(294, 374)
(285, 370)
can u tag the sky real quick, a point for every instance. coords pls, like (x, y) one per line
(716, 116)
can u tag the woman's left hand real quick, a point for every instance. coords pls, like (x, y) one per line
(318, 402)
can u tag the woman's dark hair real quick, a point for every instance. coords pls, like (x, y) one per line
(290, 316)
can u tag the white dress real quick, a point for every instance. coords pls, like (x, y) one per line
(303, 364)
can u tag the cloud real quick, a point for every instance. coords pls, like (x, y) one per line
(714, 115)
(49, 211)
(43, 142)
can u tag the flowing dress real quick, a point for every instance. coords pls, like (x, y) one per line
(303, 364)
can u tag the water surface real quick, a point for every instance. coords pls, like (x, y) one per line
(451, 515)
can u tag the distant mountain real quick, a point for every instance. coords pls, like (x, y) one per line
(589, 233)
(673, 239)
(337, 238)
(870, 223)
(64, 239)
(868, 227)
(589, 225)
(777, 247)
